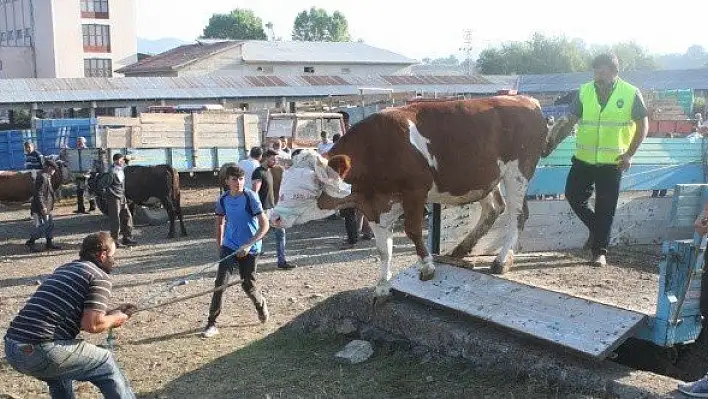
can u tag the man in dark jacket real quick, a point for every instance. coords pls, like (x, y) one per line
(42, 207)
(120, 218)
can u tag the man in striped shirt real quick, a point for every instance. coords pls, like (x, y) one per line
(41, 341)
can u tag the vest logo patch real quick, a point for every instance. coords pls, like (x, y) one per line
(620, 103)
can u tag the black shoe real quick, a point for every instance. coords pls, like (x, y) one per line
(286, 266)
(129, 241)
(81, 211)
(367, 236)
(32, 246)
(52, 246)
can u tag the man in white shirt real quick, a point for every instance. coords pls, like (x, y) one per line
(250, 164)
(324, 145)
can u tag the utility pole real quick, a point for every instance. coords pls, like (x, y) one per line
(467, 47)
(270, 31)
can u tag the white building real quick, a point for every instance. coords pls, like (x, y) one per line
(66, 38)
(268, 58)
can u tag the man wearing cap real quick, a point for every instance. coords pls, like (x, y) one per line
(42, 207)
(612, 123)
(82, 186)
(118, 213)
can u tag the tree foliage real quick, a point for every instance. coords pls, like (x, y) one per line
(239, 24)
(316, 25)
(541, 54)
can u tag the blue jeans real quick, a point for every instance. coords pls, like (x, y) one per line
(43, 227)
(58, 363)
(280, 244)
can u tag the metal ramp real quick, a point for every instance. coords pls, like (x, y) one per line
(581, 325)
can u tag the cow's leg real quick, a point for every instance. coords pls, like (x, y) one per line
(492, 205)
(414, 215)
(516, 185)
(169, 207)
(383, 233)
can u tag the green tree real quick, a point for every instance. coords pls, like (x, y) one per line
(539, 54)
(317, 25)
(239, 24)
(631, 56)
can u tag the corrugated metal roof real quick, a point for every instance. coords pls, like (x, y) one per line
(257, 51)
(178, 57)
(696, 79)
(22, 91)
(320, 52)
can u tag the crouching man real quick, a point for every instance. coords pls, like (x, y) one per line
(41, 341)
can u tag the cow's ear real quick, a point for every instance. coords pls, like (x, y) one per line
(341, 164)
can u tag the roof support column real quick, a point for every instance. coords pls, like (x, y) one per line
(92, 110)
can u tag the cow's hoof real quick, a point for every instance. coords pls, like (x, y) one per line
(382, 290)
(499, 267)
(171, 235)
(184, 234)
(426, 274)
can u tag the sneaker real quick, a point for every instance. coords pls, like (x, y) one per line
(262, 310)
(696, 389)
(286, 266)
(367, 236)
(210, 331)
(127, 241)
(599, 261)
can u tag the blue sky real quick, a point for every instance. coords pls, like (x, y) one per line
(436, 28)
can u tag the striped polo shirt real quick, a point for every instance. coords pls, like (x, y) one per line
(54, 310)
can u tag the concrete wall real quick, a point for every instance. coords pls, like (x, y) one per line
(230, 63)
(16, 62)
(58, 37)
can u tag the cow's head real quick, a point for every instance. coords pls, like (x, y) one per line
(312, 188)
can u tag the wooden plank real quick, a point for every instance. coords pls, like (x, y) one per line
(584, 326)
(149, 118)
(117, 121)
(251, 132)
(219, 118)
(165, 127)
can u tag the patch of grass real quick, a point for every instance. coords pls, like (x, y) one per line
(286, 364)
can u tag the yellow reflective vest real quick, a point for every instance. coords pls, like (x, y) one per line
(605, 134)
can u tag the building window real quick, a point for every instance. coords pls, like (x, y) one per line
(346, 71)
(98, 68)
(97, 38)
(265, 69)
(94, 9)
(309, 69)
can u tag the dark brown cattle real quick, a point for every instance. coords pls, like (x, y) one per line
(450, 152)
(159, 181)
(19, 186)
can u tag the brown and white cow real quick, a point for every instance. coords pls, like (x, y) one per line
(449, 152)
(20, 186)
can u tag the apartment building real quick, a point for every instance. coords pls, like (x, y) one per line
(66, 38)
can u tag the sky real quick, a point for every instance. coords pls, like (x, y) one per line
(437, 28)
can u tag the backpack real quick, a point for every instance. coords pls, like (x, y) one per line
(222, 198)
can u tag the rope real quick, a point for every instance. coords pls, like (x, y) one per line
(141, 304)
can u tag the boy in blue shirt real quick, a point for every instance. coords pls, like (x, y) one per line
(241, 224)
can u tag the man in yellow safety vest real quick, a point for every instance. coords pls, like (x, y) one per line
(612, 123)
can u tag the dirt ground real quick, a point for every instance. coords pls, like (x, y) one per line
(156, 348)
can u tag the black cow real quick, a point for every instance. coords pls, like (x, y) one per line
(145, 182)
